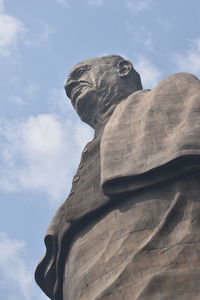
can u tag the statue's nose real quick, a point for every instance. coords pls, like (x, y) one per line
(69, 85)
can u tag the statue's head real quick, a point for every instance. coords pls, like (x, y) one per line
(96, 84)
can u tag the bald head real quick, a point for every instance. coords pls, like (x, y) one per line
(97, 84)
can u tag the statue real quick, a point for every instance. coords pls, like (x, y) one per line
(130, 227)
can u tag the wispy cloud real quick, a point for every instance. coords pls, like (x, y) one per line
(189, 60)
(1, 5)
(39, 153)
(149, 73)
(16, 274)
(17, 100)
(64, 3)
(59, 103)
(139, 5)
(10, 30)
(94, 2)
(144, 38)
(164, 23)
(32, 88)
(37, 39)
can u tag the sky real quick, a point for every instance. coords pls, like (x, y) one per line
(41, 137)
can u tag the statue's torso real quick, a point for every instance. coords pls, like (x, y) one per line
(86, 194)
(147, 248)
(148, 244)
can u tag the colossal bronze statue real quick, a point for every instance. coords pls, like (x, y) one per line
(130, 227)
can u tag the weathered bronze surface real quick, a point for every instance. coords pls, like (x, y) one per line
(130, 227)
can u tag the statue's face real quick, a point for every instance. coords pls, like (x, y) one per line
(89, 85)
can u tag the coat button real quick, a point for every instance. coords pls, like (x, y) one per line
(76, 179)
(85, 150)
(71, 193)
(81, 165)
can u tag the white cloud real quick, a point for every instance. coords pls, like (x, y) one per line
(10, 30)
(139, 5)
(41, 154)
(149, 73)
(189, 61)
(16, 275)
(36, 39)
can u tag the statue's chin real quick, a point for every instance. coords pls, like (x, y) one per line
(84, 109)
(85, 103)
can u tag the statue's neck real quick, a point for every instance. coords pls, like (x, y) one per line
(103, 119)
(106, 109)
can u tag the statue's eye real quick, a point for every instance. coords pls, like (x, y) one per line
(80, 71)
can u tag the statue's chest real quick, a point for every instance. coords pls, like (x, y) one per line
(86, 194)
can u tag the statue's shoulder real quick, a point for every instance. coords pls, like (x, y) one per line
(180, 75)
(177, 81)
(181, 78)
(176, 86)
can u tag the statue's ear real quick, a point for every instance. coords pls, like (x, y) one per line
(124, 68)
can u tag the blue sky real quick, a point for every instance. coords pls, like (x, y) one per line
(40, 136)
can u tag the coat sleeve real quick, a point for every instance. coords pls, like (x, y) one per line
(46, 271)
